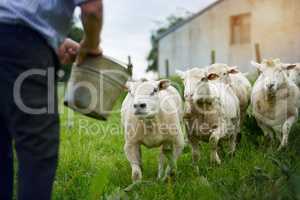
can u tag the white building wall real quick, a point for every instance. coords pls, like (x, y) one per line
(275, 25)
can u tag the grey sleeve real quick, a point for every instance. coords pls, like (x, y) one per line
(78, 2)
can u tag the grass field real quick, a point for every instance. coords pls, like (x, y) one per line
(92, 166)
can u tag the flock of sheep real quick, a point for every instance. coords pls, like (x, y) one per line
(216, 99)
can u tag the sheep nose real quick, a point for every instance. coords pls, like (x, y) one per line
(140, 105)
(188, 96)
(271, 86)
(199, 102)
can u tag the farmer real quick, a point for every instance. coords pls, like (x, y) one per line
(33, 41)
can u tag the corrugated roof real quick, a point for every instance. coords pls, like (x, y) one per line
(174, 28)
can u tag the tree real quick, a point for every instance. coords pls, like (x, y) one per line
(152, 57)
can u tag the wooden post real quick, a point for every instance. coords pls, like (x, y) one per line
(257, 53)
(213, 57)
(130, 66)
(167, 69)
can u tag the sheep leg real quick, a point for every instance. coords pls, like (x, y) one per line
(235, 132)
(172, 153)
(267, 131)
(171, 159)
(233, 144)
(285, 131)
(161, 164)
(195, 155)
(214, 142)
(178, 145)
(133, 153)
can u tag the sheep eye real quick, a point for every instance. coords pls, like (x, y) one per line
(154, 91)
(130, 92)
(213, 76)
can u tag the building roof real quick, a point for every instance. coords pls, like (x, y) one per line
(174, 28)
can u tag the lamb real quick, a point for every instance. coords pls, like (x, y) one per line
(214, 113)
(275, 100)
(152, 116)
(236, 80)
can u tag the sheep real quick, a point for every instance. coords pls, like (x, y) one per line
(152, 116)
(236, 80)
(214, 113)
(275, 100)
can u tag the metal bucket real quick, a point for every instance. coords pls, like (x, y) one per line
(95, 85)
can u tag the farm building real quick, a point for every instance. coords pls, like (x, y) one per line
(232, 29)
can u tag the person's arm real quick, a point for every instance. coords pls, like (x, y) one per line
(92, 20)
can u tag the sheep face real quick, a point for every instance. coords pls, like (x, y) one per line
(273, 74)
(145, 94)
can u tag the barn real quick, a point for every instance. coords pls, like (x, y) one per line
(233, 32)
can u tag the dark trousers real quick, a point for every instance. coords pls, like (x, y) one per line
(33, 136)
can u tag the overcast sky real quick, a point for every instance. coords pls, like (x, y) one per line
(128, 25)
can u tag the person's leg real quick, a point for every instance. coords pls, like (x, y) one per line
(36, 136)
(36, 143)
(36, 139)
(6, 160)
(6, 144)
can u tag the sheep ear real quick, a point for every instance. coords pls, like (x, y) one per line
(257, 65)
(289, 66)
(181, 74)
(233, 70)
(163, 84)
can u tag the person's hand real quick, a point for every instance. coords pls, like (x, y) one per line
(67, 52)
(86, 51)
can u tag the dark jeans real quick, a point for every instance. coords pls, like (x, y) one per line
(34, 137)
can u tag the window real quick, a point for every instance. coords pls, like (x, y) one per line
(240, 29)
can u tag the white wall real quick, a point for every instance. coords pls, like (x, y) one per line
(275, 26)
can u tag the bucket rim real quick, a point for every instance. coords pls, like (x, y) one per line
(116, 81)
(111, 59)
(114, 60)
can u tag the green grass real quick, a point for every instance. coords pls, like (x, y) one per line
(92, 166)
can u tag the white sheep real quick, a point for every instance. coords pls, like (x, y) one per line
(152, 116)
(275, 100)
(214, 113)
(236, 80)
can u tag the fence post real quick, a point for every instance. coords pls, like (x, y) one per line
(167, 69)
(130, 66)
(213, 57)
(257, 53)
